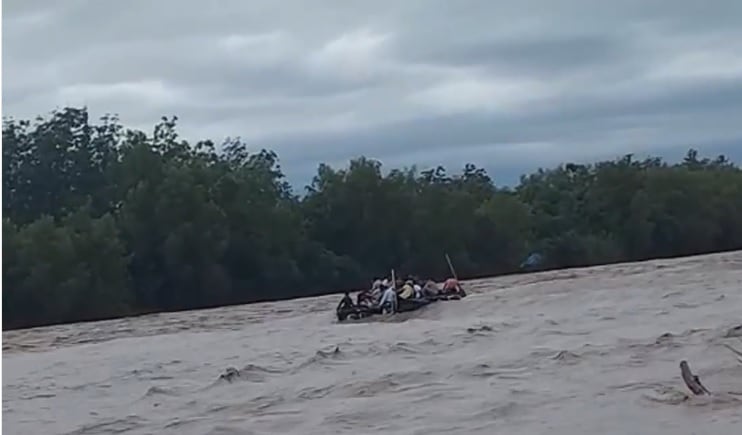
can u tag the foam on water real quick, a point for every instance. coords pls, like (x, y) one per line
(569, 352)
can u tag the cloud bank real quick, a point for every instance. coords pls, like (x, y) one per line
(507, 86)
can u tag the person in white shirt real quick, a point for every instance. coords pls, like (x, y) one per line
(418, 291)
(388, 301)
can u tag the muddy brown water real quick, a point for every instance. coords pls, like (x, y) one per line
(581, 351)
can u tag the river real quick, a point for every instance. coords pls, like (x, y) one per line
(581, 351)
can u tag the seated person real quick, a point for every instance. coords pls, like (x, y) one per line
(452, 286)
(418, 291)
(408, 291)
(361, 297)
(345, 303)
(430, 289)
(368, 298)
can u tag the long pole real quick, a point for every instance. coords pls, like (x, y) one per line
(394, 281)
(450, 266)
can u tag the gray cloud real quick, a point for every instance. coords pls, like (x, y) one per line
(509, 86)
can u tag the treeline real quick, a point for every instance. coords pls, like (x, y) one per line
(101, 221)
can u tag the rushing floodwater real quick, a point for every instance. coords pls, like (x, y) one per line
(588, 351)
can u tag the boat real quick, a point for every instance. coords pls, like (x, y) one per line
(357, 312)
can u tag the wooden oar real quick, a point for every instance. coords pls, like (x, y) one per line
(453, 272)
(450, 266)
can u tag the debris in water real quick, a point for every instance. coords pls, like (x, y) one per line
(230, 374)
(692, 381)
(566, 356)
(667, 336)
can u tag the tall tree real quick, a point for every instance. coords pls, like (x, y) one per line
(103, 221)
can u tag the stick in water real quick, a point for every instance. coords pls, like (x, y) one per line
(692, 381)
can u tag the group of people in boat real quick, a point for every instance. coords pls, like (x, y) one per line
(385, 295)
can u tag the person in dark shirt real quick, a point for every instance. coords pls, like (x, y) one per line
(346, 302)
(345, 307)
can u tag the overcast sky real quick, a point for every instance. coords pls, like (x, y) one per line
(507, 85)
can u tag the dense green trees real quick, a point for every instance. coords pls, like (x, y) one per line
(101, 221)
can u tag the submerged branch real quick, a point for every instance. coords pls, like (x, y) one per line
(692, 381)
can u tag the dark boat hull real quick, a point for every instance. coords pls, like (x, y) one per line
(357, 312)
(405, 305)
(449, 296)
(361, 312)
